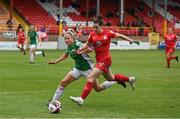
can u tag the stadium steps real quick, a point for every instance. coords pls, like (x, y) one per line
(16, 16)
(72, 17)
(4, 15)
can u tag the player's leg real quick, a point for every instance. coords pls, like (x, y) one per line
(32, 53)
(169, 57)
(120, 78)
(69, 78)
(90, 80)
(40, 53)
(97, 86)
(88, 86)
(171, 51)
(100, 87)
(23, 49)
(18, 46)
(110, 77)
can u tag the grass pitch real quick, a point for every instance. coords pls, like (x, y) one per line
(25, 88)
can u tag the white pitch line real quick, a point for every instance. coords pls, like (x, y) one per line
(16, 92)
(8, 92)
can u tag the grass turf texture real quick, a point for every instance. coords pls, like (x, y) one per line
(25, 88)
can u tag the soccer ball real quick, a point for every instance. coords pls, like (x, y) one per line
(55, 107)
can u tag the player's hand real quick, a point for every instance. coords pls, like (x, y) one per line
(40, 44)
(52, 62)
(130, 42)
(78, 51)
(74, 51)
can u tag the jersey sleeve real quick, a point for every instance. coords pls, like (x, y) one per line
(79, 44)
(111, 34)
(175, 37)
(67, 51)
(90, 38)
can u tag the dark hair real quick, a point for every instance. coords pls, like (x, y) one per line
(99, 22)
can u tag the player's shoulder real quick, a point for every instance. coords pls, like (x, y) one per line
(174, 35)
(108, 31)
(92, 33)
(78, 43)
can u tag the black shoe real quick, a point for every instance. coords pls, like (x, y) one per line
(31, 62)
(24, 52)
(123, 84)
(177, 59)
(43, 54)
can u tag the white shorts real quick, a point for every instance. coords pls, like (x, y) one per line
(78, 73)
(33, 46)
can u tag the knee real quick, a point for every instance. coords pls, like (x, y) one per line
(111, 78)
(63, 83)
(31, 50)
(98, 90)
(90, 79)
(167, 55)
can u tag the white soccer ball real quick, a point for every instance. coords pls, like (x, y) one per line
(55, 107)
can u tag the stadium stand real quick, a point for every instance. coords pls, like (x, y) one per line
(138, 17)
(33, 13)
(4, 21)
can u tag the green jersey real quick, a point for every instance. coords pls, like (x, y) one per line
(82, 62)
(32, 35)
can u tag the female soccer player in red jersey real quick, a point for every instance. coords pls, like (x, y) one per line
(83, 66)
(21, 40)
(100, 40)
(171, 42)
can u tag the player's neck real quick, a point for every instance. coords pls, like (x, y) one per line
(100, 31)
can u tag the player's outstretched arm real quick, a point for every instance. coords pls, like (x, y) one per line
(118, 35)
(61, 58)
(131, 41)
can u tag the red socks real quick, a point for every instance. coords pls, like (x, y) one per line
(173, 57)
(121, 78)
(169, 59)
(89, 85)
(87, 89)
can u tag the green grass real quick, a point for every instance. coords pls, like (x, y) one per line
(25, 88)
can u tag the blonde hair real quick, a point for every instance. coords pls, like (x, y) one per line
(71, 32)
(31, 28)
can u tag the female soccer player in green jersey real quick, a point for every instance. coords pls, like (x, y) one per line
(33, 37)
(83, 66)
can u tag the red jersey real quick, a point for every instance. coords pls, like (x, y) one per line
(170, 40)
(21, 37)
(101, 44)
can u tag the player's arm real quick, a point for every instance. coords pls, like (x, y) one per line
(83, 49)
(176, 41)
(27, 38)
(61, 58)
(118, 35)
(88, 50)
(39, 39)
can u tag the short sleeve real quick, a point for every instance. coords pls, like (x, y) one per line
(90, 38)
(79, 44)
(111, 34)
(175, 37)
(67, 51)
